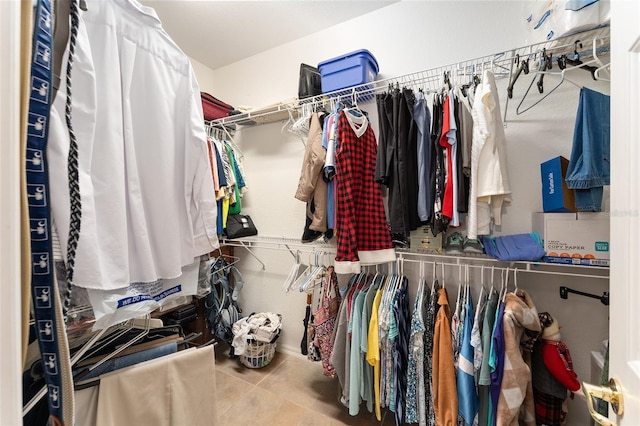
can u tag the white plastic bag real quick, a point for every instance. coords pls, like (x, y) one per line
(115, 306)
(551, 19)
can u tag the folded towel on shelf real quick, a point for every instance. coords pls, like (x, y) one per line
(524, 247)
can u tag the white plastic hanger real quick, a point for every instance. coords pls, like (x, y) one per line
(598, 73)
(421, 288)
(435, 277)
(460, 290)
(239, 155)
(602, 67)
(479, 302)
(506, 284)
(314, 277)
(492, 282)
(467, 293)
(297, 270)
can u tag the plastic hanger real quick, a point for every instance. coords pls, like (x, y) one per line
(482, 290)
(604, 68)
(297, 270)
(545, 63)
(388, 287)
(501, 285)
(121, 331)
(396, 275)
(421, 286)
(317, 275)
(562, 61)
(515, 282)
(121, 348)
(492, 281)
(306, 277)
(435, 277)
(300, 127)
(354, 99)
(229, 139)
(117, 332)
(566, 64)
(460, 290)
(447, 80)
(575, 60)
(522, 66)
(221, 261)
(467, 286)
(505, 279)
(290, 121)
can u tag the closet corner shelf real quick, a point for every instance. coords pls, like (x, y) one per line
(264, 115)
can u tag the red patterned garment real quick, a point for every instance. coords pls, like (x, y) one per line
(363, 236)
(447, 201)
(549, 409)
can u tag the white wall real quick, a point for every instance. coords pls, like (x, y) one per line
(205, 75)
(406, 37)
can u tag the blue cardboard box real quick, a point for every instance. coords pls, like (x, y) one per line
(556, 196)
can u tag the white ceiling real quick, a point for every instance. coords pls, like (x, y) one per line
(218, 33)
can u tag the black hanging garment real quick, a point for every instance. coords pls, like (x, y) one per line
(408, 136)
(304, 345)
(463, 180)
(387, 163)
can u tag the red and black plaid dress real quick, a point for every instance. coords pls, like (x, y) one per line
(363, 236)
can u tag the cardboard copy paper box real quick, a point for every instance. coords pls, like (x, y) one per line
(557, 197)
(574, 238)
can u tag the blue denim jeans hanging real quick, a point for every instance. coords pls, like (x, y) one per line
(589, 166)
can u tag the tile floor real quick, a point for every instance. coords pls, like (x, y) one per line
(289, 391)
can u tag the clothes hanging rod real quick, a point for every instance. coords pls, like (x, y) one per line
(431, 79)
(505, 269)
(290, 244)
(564, 294)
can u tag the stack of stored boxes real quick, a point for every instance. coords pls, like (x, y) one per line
(570, 237)
(423, 239)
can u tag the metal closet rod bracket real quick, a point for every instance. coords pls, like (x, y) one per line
(564, 293)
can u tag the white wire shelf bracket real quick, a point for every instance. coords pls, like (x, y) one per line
(431, 80)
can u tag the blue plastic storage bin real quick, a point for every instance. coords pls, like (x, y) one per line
(350, 69)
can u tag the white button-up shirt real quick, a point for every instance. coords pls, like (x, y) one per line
(148, 203)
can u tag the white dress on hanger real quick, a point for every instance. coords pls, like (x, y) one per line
(490, 187)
